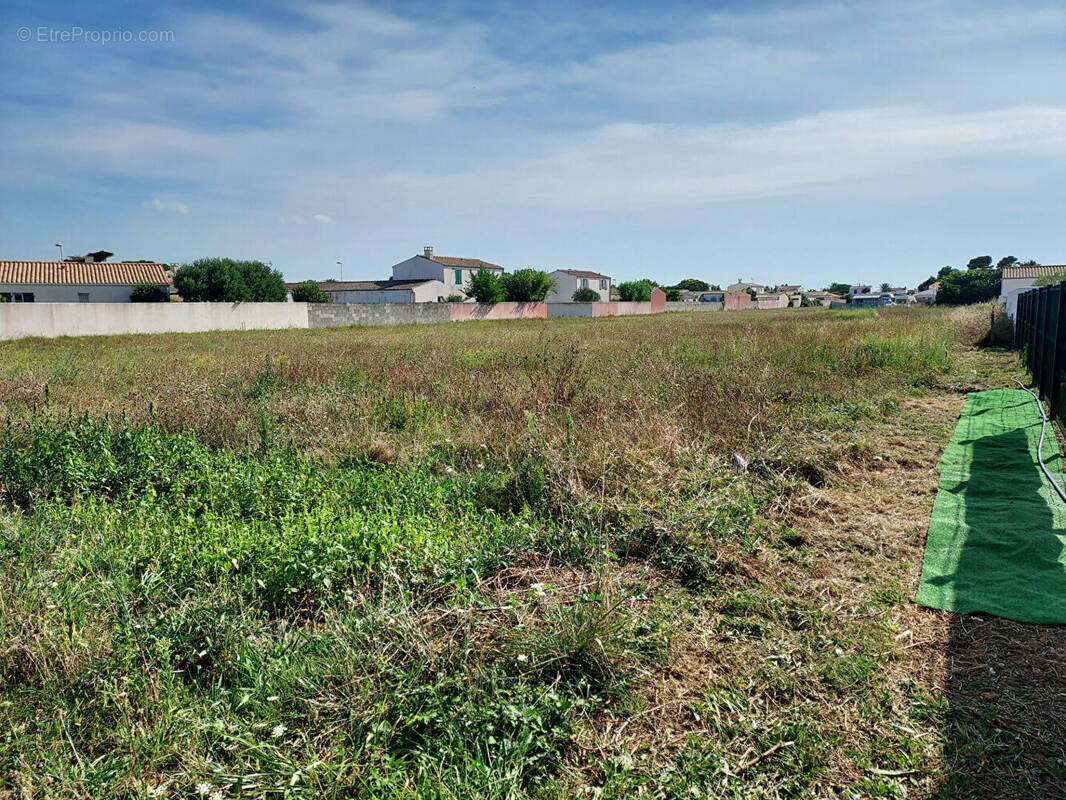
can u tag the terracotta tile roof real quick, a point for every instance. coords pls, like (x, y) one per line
(584, 273)
(468, 263)
(73, 272)
(1035, 271)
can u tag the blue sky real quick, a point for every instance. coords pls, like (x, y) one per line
(798, 142)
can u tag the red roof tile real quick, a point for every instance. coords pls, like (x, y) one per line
(73, 272)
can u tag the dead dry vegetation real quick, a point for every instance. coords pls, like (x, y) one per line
(503, 560)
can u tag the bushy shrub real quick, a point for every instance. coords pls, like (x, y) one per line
(635, 291)
(226, 280)
(586, 295)
(149, 293)
(485, 287)
(526, 285)
(309, 292)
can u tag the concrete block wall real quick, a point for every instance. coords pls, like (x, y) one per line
(340, 315)
(676, 306)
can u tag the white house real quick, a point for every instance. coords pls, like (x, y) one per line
(453, 273)
(927, 296)
(76, 282)
(744, 286)
(568, 281)
(1019, 277)
(859, 289)
(772, 300)
(394, 291)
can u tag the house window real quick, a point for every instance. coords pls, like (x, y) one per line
(83, 297)
(458, 276)
(603, 284)
(16, 297)
(584, 283)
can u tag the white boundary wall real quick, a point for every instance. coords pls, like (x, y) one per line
(22, 320)
(49, 320)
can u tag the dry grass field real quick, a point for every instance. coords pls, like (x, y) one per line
(504, 560)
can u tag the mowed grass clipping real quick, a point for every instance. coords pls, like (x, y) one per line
(430, 562)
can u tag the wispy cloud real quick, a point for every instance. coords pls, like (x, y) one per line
(169, 205)
(292, 219)
(637, 166)
(323, 219)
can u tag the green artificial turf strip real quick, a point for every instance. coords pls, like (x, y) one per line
(997, 537)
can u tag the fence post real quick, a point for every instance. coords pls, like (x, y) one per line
(1034, 340)
(1051, 341)
(1058, 360)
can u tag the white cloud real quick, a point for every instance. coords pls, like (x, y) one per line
(638, 166)
(324, 219)
(169, 205)
(293, 219)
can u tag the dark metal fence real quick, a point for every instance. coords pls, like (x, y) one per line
(1040, 333)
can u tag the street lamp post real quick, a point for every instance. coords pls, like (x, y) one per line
(60, 246)
(341, 265)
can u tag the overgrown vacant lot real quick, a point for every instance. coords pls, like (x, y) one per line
(503, 560)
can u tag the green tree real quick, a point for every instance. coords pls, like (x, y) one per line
(981, 262)
(1006, 261)
(526, 285)
(839, 288)
(227, 280)
(692, 285)
(485, 287)
(586, 295)
(926, 283)
(149, 293)
(309, 292)
(886, 287)
(975, 285)
(635, 291)
(673, 294)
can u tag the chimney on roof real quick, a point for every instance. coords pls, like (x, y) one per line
(428, 252)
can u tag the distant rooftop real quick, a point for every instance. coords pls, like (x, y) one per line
(367, 286)
(584, 273)
(452, 261)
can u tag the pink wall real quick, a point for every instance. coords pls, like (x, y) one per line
(658, 300)
(734, 301)
(467, 311)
